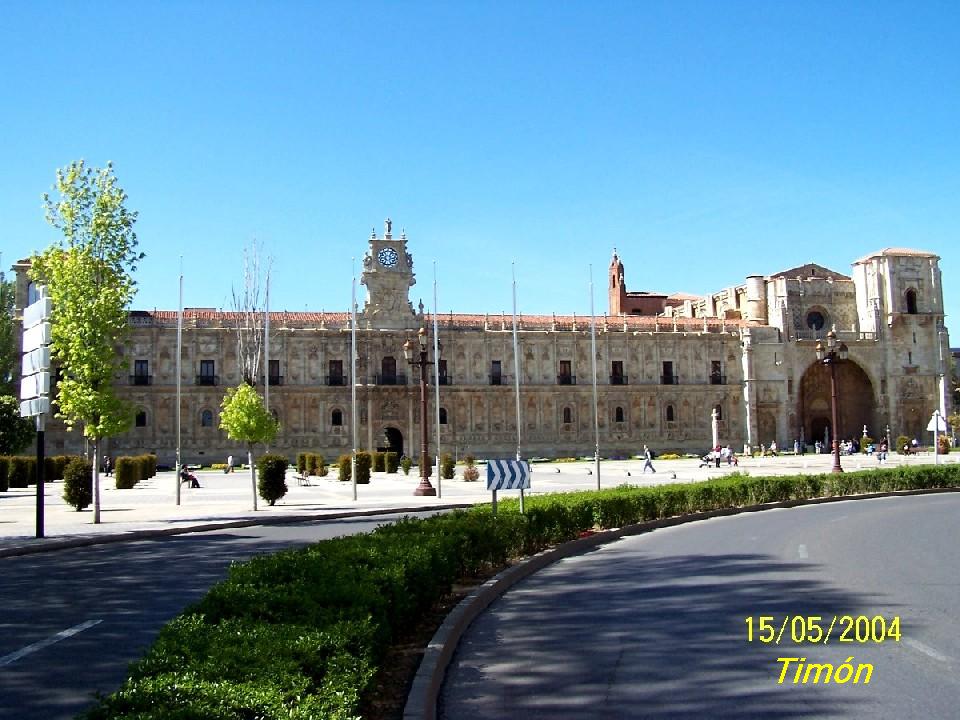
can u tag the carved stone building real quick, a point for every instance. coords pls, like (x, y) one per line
(664, 363)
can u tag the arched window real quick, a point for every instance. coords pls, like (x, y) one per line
(670, 415)
(912, 301)
(719, 410)
(141, 420)
(618, 414)
(206, 419)
(567, 416)
(443, 416)
(816, 320)
(336, 418)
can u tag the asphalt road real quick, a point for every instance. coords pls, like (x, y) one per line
(654, 626)
(72, 620)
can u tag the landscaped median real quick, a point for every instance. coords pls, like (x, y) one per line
(302, 633)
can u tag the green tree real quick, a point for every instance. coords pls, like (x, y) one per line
(9, 361)
(15, 432)
(89, 278)
(245, 419)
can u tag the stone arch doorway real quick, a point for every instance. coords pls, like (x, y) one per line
(856, 403)
(393, 441)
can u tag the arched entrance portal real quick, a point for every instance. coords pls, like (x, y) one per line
(856, 403)
(393, 440)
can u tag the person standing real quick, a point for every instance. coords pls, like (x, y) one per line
(229, 463)
(107, 465)
(647, 459)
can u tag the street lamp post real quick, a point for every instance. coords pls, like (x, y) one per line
(830, 356)
(424, 488)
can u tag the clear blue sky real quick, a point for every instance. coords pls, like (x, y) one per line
(705, 140)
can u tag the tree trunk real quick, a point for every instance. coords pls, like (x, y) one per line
(253, 474)
(96, 481)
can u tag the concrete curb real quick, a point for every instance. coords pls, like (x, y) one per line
(425, 690)
(51, 545)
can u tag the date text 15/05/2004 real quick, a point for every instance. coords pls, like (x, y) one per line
(821, 629)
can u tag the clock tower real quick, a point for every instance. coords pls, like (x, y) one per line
(388, 275)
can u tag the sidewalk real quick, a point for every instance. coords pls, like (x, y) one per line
(150, 509)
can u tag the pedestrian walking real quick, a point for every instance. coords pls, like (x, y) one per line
(647, 460)
(229, 467)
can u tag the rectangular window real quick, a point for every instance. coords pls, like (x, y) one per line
(141, 372)
(208, 375)
(616, 373)
(335, 373)
(496, 377)
(442, 372)
(566, 375)
(274, 376)
(668, 378)
(716, 372)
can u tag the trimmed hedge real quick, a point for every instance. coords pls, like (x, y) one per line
(343, 465)
(22, 471)
(447, 466)
(271, 484)
(126, 472)
(4, 469)
(392, 462)
(301, 633)
(364, 462)
(78, 483)
(379, 461)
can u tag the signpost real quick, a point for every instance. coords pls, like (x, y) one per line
(507, 475)
(35, 380)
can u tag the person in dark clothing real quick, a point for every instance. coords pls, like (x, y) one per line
(187, 476)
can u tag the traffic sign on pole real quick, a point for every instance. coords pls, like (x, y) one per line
(35, 379)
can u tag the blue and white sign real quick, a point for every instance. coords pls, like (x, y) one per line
(508, 475)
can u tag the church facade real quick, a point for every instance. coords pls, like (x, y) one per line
(664, 363)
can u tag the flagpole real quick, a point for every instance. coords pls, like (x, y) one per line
(596, 408)
(353, 375)
(516, 366)
(266, 346)
(436, 375)
(179, 353)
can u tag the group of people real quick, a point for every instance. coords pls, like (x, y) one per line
(719, 454)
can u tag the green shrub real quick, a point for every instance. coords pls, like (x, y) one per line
(322, 469)
(78, 483)
(343, 464)
(902, 442)
(406, 463)
(392, 462)
(447, 466)
(4, 470)
(271, 484)
(22, 471)
(470, 472)
(302, 464)
(315, 462)
(126, 472)
(865, 442)
(943, 445)
(364, 462)
(151, 465)
(379, 461)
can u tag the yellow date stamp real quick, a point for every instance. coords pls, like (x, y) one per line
(817, 629)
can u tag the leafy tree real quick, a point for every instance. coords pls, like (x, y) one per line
(15, 432)
(88, 274)
(245, 419)
(9, 361)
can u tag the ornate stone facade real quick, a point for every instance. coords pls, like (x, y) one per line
(748, 351)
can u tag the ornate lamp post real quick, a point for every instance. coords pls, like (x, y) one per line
(424, 488)
(830, 356)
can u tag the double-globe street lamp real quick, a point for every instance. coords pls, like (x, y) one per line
(424, 488)
(830, 356)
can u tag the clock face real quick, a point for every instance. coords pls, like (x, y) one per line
(388, 257)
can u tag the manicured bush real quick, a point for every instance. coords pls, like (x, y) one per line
(406, 463)
(302, 463)
(865, 442)
(364, 462)
(379, 461)
(322, 468)
(315, 461)
(392, 462)
(272, 470)
(902, 442)
(78, 483)
(4, 469)
(343, 464)
(126, 472)
(447, 466)
(22, 471)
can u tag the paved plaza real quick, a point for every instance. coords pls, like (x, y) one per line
(224, 499)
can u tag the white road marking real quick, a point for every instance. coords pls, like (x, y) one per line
(926, 650)
(802, 552)
(62, 635)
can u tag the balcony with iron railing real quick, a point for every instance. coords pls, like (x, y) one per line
(394, 379)
(337, 380)
(500, 379)
(208, 380)
(141, 379)
(445, 380)
(669, 379)
(718, 379)
(618, 380)
(566, 379)
(274, 379)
